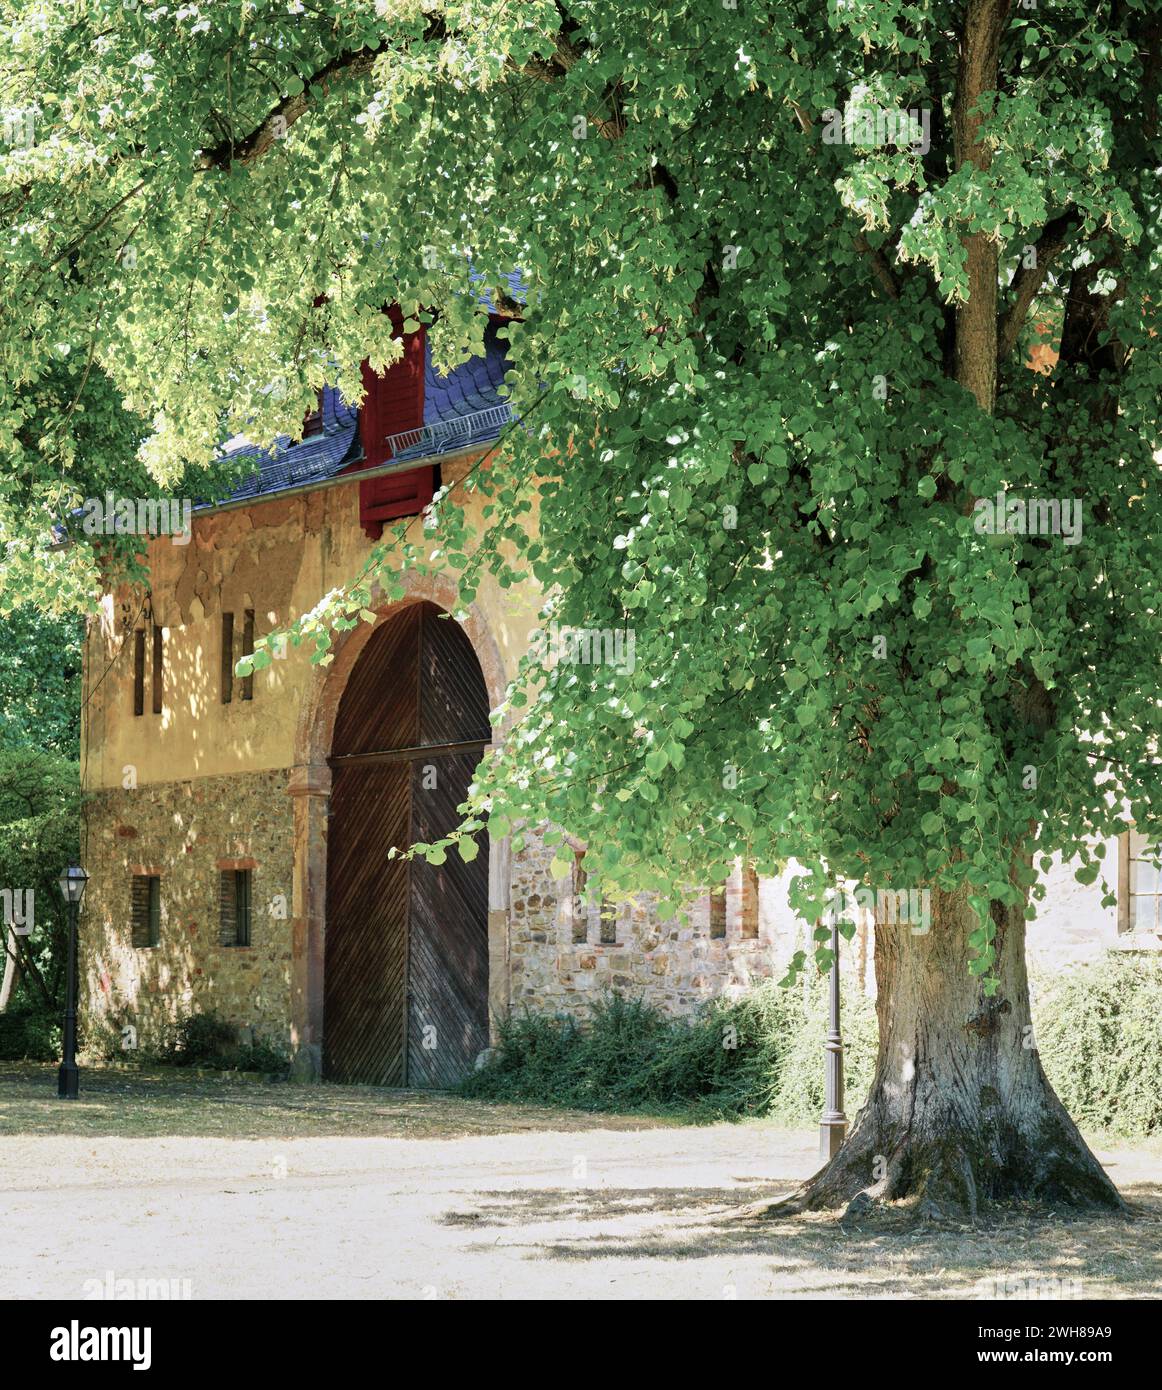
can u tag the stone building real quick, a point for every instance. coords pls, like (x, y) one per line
(236, 828)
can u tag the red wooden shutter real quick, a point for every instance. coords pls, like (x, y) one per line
(394, 403)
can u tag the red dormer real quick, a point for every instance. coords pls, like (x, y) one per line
(394, 403)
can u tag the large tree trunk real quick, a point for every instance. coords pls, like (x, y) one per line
(960, 1113)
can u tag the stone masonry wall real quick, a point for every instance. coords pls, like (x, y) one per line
(673, 965)
(678, 965)
(186, 832)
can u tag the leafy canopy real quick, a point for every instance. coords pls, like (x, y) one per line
(763, 375)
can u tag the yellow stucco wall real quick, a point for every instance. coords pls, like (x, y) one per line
(277, 557)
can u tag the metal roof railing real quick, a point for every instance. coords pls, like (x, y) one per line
(447, 435)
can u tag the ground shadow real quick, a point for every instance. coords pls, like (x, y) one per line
(1014, 1253)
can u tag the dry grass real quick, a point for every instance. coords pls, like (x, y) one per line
(280, 1191)
(153, 1103)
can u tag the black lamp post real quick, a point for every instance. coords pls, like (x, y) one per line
(72, 883)
(833, 1125)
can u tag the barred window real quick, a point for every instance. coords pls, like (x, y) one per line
(145, 910)
(234, 907)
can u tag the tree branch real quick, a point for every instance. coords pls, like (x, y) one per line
(881, 266)
(353, 65)
(1029, 279)
(286, 112)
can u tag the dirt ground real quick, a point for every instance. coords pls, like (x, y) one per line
(277, 1191)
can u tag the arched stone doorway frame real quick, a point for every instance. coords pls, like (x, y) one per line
(309, 786)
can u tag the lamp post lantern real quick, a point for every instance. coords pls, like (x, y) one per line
(72, 883)
(833, 1125)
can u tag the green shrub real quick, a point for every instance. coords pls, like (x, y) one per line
(1097, 1030)
(30, 1035)
(260, 1055)
(39, 830)
(200, 1040)
(761, 1054)
(799, 1098)
(206, 1040)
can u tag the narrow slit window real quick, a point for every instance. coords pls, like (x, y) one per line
(718, 913)
(749, 916)
(145, 910)
(139, 671)
(234, 902)
(580, 909)
(158, 659)
(248, 650)
(227, 657)
(608, 923)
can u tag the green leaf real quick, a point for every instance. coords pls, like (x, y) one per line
(656, 761)
(561, 866)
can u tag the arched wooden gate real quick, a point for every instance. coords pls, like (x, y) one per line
(405, 994)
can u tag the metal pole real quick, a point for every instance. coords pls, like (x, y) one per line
(68, 1076)
(833, 1125)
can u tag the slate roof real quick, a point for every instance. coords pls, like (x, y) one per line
(461, 409)
(320, 456)
(513, 286)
